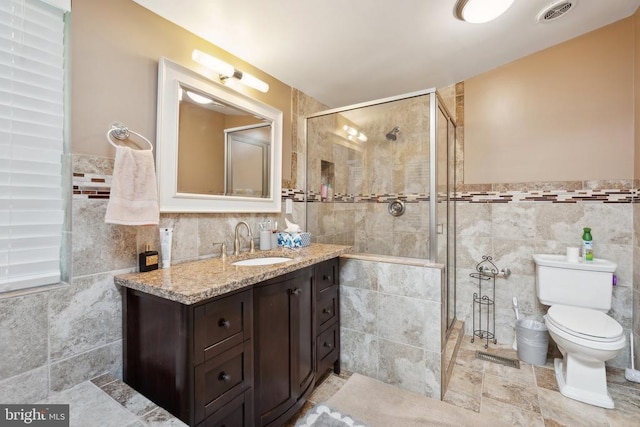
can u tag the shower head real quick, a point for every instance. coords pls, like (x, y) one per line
(393, 134)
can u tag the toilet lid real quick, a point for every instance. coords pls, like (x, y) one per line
(584, 321)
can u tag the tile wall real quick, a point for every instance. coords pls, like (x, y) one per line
(512, 225)
(391, 318)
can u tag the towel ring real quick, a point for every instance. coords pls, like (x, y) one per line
(122, 133)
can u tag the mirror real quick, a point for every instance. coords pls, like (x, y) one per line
(217, 150)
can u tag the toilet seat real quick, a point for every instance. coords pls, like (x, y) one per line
(584, 323)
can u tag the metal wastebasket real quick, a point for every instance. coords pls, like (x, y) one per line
(533, 341)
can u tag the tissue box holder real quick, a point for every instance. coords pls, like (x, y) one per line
(294, 240)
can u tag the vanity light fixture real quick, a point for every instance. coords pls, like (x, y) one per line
(481, 11)
(227, 73)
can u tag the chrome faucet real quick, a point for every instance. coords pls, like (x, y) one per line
(236, 241)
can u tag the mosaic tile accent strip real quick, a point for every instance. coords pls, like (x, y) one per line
(551, 196)
(98, 186)
(91, 186)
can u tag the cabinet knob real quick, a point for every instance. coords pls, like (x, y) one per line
(224, 377)
(295, 291)
(326, 311)
(224, 323)
(326, 344)
(326, 277)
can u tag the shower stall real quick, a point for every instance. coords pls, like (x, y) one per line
(381, 178)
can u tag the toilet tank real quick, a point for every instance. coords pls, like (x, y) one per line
(585, 284)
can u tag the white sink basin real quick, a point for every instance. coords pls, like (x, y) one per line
(261, 261)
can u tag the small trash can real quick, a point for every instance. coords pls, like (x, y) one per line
(533, 341)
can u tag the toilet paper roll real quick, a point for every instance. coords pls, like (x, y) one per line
(573, 254)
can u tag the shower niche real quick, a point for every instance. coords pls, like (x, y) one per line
(327, 181)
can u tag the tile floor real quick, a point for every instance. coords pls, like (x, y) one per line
(521, 397)
(108, 402)
(527, 396)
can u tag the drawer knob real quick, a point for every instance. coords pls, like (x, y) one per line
(224, 377)
(326, 344)
(295, 291)
(224, 323)
(326, 311)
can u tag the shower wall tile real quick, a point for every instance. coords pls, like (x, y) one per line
(352, 274)
(394, 308)
(359, 352)
(23, 324)
(84, 315)
(433, 374)
(358, 308)
(409, 281)
(402, 320)
(403, 366)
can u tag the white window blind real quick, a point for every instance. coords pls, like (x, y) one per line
(31, 143)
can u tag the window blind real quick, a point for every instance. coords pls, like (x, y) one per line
(31, 143)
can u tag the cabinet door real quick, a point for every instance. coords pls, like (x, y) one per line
(284, 343)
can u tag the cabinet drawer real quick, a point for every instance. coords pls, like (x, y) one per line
(327, 307)
(220, 325)
(237, 413)
(328, 348)
(222, 378)
(326, 274)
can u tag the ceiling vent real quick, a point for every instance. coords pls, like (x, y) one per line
(555, 10)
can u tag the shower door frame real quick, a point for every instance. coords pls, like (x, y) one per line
(435, 104)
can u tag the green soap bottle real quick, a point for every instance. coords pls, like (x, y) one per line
(587, 245)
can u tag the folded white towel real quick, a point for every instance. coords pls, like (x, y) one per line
(134, 192)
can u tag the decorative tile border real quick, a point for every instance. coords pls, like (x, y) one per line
(98, 186)
(91, 186)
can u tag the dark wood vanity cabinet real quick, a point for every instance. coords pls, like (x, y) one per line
(327, 315)
(245, 359)
(196, 361)
(284, 346)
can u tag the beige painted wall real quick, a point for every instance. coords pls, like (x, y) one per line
(115, 46)
(564, 113)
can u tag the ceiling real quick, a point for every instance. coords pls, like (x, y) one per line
(345, 52)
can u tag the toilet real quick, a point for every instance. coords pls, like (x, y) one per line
(579, 295)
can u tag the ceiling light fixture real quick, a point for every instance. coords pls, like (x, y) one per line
(227, 72)
(480, 11)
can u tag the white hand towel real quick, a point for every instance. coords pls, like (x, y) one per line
(134, 192)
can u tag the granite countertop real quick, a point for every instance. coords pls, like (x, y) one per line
(192, 282)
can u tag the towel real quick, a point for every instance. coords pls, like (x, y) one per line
(134, 191)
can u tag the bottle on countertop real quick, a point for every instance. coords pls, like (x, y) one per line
(587, 245)
(148, 259)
